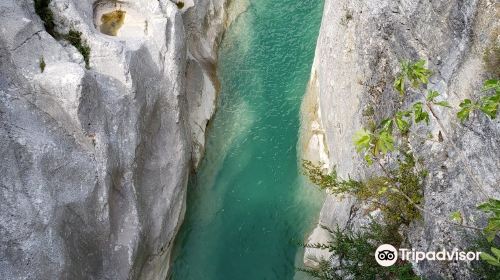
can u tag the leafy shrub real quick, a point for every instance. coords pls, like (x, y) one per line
(355, 252)
(388, 193)
(391, 194)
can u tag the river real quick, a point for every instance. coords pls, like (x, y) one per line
(248, 207)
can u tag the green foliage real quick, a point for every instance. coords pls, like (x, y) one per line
(42, 64)
(355, 252)
(382, 192)
(466, 107)
(484, 270)
(329, 182)
(43, 11)
(431, 98)
(180, 4)
(401, 120)
(413, 72)
(419, 114)
(492, 206)
(373, 144)
(456, 217)
(399, 84)
(487, 104)
(492, 259)
(75, 38)
(492, 84)
(389, 194)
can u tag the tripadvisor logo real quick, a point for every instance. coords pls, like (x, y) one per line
(387, 255)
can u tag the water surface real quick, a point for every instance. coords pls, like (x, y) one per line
(248, 207)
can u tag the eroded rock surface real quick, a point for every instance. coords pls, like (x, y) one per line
(358, 52)
(95, 161)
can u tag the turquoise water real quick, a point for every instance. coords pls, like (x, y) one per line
(248, 206)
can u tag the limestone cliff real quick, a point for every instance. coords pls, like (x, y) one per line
(357, 56)
(95, 158)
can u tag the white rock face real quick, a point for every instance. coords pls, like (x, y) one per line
(205, 25)
(357, 55)
(96, 161)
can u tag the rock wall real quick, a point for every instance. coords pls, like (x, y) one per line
(358, 52)
(95, 161)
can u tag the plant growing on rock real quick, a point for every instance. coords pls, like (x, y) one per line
(390, 192)
(75, 38)
(43, 11)
(398, 192)
(354, 252)
(42, 64)
(487, 104)
(491, 206)
(414, 73)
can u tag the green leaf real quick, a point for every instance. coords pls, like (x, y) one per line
(489, 259)
(443, 104)
(384, 143)
(492, 228)
(491, 84)
(386, 125)
(463, 114)
(489, 105)
(492, 205)
(362, 140)
(417, 73)
(456, 216)
(431, 95)
(368, 159)
(402, 124)
(399, 84)
(419, 113)
(466, 107)
(496, 252)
